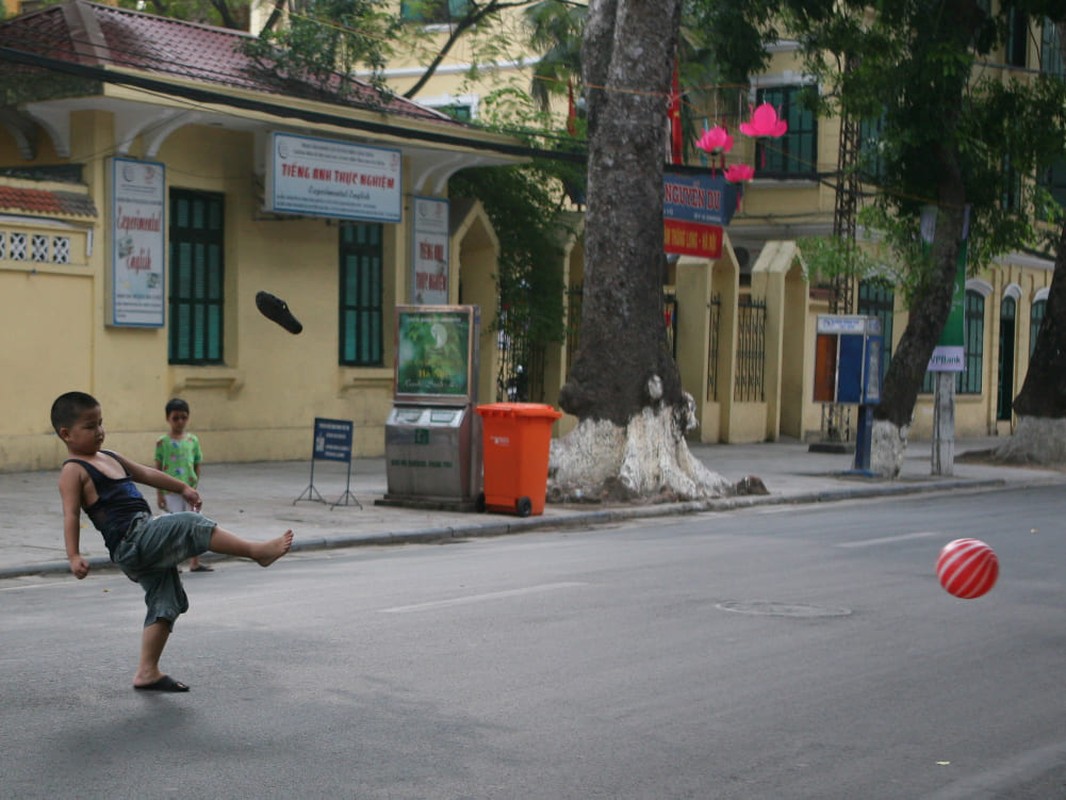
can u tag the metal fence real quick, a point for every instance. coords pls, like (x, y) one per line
(670, 320)
(751, 350)
(520, 378)
(712, 348)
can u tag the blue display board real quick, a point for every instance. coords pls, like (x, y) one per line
(333, 440)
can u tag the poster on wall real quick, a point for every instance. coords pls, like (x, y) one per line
(330, 178)
(434, 353)
(138, 243)
(429, 252)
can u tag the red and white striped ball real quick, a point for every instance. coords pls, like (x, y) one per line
(967, 568)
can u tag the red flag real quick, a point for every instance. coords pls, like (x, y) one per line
(676, 149)
(571, 111)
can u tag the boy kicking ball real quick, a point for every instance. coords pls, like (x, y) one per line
(147, 550)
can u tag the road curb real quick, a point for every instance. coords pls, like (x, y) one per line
(506, 526)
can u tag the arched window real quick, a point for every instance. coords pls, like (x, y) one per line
(969, 382)
(1005, 383)
(1035, 318)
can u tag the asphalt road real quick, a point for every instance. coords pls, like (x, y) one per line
(784, 652)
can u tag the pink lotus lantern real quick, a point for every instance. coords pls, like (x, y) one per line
(715, 140)
(764, 122)
(739, 173)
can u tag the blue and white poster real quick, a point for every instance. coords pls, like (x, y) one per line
(333, 439)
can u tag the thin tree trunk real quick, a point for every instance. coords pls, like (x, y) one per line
(928, 313)
(957, 21)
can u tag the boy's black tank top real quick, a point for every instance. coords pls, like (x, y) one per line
(118, 503)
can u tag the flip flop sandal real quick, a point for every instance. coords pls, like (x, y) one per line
(277, 310)
(164, 684)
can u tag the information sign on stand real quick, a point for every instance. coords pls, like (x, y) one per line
(332, 442)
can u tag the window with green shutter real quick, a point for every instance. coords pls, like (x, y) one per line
(794, 155)
(196, 298)
(361, 319)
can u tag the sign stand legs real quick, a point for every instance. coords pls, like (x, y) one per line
(310, 494)
(332, 442)
(343, 499)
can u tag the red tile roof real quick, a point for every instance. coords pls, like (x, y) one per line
(98, 35)
(43, 201)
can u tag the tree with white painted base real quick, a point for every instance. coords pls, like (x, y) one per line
(624, 386)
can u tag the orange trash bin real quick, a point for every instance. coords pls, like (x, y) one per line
(516, 443)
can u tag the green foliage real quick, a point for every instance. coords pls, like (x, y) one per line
(729, 38)
(827, 258)
(326, 42)
(554, 31)
(911, 65)
(902, 236)
(225, 14)
(524, 204)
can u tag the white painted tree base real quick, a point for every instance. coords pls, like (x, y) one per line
(1036, 440)
(648, 460)
(888, 446)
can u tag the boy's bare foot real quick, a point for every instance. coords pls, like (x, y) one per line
(269, 552)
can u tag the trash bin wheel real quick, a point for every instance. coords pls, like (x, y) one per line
(479, 504)
(524, 506)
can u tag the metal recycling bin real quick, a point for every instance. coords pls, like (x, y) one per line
(516, 441)
(429, 452)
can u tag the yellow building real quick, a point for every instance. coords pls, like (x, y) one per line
(744, 337)
(89, 117)
(152, 182)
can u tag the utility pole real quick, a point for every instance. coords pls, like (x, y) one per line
(836, 418)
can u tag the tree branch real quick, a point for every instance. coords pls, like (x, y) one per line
(275, 15)
(472, 18)
(228, 20)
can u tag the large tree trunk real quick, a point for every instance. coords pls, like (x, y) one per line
(624, 386)
(629, 51)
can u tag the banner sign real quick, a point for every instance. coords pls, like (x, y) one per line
(429, 252)
(138, 243)
(333, 439)
(692, 239)
(329, 178)
(950, 353)
(707, 199)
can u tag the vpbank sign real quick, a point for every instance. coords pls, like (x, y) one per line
(948, 359)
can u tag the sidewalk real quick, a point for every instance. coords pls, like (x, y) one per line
(256, 500)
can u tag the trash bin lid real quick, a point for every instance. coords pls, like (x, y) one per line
(518, 410)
